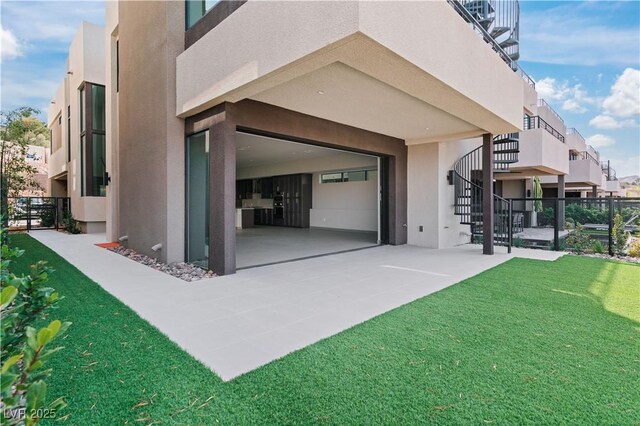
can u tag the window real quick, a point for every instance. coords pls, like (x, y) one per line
(197, 168)
(92, 140)
(350, 176)
(196, 9)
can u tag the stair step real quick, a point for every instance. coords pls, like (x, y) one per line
(498, 31)
(509, 42)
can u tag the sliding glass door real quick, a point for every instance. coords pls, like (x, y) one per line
(198, 198)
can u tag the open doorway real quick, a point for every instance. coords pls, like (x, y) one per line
(297, 200)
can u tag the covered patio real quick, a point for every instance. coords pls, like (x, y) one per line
(236, 323)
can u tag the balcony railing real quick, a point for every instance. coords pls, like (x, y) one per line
(469, 18)
(536, 122)
(574, 131)
(543, 103)
(583, 155)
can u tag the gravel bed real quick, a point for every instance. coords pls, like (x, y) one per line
(606, 256)
(184, 271)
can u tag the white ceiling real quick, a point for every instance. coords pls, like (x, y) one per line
(254, 150)
(342, 94)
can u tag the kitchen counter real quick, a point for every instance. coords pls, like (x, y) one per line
(244, 217)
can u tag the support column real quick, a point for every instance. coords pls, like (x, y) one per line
(222, 193)
(487, 193)
(561, 194)
(594, 191)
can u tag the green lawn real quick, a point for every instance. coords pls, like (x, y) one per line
(526, 342)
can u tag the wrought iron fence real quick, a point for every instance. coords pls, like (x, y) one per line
(582, 224)
(32, 213)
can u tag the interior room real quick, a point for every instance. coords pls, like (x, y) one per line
(296, 200)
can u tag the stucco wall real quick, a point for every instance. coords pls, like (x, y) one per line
(540, 150)
(430, 197)
(151, 138)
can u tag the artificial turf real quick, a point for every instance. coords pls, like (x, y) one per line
(526, 342)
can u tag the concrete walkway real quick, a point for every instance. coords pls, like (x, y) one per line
(236, 323)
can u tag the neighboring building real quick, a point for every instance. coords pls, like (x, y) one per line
(38, 157)
(332, 125)
(76, 118)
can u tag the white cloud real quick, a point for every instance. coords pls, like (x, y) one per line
(624, 100)
(599, 141)
(572, 105)
(9, 46)
(574, 98)
(607, 122)
(577, 33)
(629, 166)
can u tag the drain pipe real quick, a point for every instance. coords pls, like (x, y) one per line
(157, 247)
(123, 238)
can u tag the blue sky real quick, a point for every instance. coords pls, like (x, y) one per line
(585, 56)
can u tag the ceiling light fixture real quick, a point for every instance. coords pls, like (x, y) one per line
(320, 92)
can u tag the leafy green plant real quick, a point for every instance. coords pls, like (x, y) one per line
(518, 242)
(619, 236)
(24, 349)
(579, 241)
(70, 224)
(598, 247)
(47, 218)
(546, 217)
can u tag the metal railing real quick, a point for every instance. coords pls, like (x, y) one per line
(583, 155)
(32, 213)
(543, 103)
(555, 220)
(466, 177)
(574, 131)
(458, 6)
(537, 122)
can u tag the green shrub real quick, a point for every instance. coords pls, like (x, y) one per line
(569, 223)
(581, 214)
(598, 247)
(619, 236)
(546, 217)
(25, 301)
(579, 241)
(634, 248)
(47, 218)
(70, 224)
(518, 242)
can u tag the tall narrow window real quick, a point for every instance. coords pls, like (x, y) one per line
(92, 140)
(198, 198)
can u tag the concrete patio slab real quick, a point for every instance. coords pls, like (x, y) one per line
(234, 324)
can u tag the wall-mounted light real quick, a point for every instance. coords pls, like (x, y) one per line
(156, 247)
(320, 92)
(53, 102)
(123, 238)
(70, 72)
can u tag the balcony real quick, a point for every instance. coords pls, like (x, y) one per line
(58, 163)
(613, 187)
(584, 171)
(550, 116)
(537, 122)
(542, 151)
(396, 68)
(575, 141)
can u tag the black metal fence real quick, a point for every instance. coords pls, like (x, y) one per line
(572, 223)
(32, 213)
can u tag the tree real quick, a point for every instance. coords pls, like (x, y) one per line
(19, 129)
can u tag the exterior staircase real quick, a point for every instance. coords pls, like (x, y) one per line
(466, 178)
(500, 19)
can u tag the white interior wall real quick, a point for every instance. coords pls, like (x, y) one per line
(346, 205)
